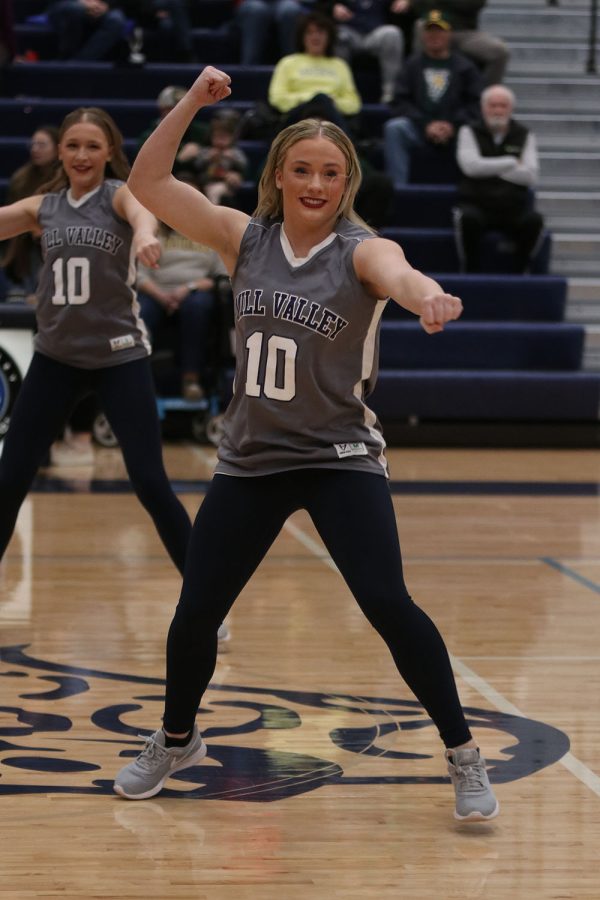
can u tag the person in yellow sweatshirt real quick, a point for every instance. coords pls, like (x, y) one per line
(313, 83)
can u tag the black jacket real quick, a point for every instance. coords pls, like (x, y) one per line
(460, 104)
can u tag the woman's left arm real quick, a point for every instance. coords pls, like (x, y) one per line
(145, 226)
(384, 271)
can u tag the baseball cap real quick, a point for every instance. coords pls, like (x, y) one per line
(434, 19)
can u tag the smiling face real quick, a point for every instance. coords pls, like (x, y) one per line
(84, 151)
(312, 181)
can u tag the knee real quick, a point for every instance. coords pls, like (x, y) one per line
(391, 39)
(397, 129)
(194, 618)
(253, 10)
(287, 10)
(65, 12)
(499, 50)
(115, 22)
(148, 486)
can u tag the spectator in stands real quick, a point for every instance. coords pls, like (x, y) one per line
(195, 136)
(499, 162)
(23, 261)
(184, 287)
(255, 20)
(363, 28)
(313, 83)
(168, 21)
(438, 90)
(486, 50)
(222, 165)
(87, 29)
(22, 258)
(8, 45)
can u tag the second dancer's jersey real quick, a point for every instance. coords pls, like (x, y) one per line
(87, 310)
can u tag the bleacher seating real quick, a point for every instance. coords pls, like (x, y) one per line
(510, 357)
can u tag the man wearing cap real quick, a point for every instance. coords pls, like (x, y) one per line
(486, 50)
(438, 91)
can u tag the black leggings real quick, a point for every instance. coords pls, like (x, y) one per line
(49, 393)
(353, 513)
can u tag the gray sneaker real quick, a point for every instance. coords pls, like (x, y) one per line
(475, 800)
(145, 776)
(223, 634)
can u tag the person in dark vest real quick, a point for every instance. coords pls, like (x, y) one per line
(310, 282)
(499, 164)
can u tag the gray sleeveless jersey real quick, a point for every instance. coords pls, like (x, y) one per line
(87, 309)
(307, 342)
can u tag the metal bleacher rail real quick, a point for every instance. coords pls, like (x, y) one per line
(591, 62)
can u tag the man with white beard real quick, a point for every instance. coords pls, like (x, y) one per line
(499, 163)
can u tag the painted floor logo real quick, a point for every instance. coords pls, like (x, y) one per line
(53, 739)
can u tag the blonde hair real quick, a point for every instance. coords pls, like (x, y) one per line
(270, 201)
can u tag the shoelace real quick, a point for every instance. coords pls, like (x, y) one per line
(152, 754)
(471, 777)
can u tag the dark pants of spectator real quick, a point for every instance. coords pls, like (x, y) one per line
(255, 19)
(175, 30)
(375, 199)
(523, 227)
(84, 37)
(194, 325)
(321, 106)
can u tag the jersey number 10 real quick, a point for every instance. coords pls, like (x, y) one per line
(279, 382)
(77, 281)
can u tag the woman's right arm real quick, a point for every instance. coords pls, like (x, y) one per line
(19, 217)
(180, 205)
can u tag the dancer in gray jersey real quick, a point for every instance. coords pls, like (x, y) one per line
(90, 337)
(310, 281)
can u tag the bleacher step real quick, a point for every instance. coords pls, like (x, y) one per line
(545, 57)
(570, 211)
(556, 94)
(591, 349)
(583, 303)
(546, 22)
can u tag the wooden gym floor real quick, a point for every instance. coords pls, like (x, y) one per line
(324, 778)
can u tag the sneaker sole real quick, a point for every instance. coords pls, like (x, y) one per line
(184, 764)
(478, 816)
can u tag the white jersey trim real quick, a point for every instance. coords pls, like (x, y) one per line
(77, 203)
(368, 359)
(297, 261)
